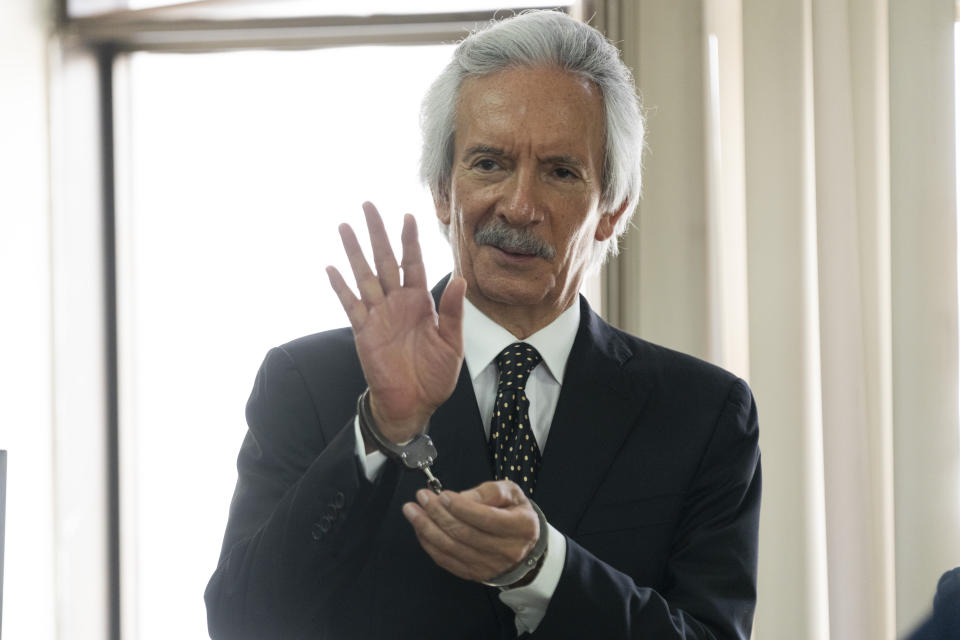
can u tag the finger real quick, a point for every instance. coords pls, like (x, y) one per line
(485, 555)
(383, 258)
(356, 310)
(431, 535)
(517, 522)
(367, 282)
(496, 493)
(450, 312)
(457, 565)
(457, 529)
(414, 273)
(453, 564)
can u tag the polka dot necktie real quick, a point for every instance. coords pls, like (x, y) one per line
(513, 448)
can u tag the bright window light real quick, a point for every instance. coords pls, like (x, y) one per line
(235, 170)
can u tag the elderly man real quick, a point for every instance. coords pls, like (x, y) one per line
(595, 485)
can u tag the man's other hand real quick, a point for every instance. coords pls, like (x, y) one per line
(477, 534)
(410, 356)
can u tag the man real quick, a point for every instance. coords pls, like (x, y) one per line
(643, 462)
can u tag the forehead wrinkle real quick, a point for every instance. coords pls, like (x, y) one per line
(511, 124)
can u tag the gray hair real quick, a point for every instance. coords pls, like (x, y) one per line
(535, 38)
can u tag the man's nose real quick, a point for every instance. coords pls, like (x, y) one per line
(521, 204)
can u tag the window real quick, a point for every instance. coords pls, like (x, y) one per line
(237, 168)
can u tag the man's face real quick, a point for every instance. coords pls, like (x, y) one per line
(525, 190)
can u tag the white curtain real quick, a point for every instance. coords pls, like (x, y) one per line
(799, 228)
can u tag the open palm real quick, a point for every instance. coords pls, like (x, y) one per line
(410, 353)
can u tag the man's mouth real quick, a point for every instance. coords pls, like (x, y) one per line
(515, 252)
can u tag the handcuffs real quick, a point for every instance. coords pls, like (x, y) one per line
(419, 454)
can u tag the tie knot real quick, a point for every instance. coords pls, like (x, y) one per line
(516, 362)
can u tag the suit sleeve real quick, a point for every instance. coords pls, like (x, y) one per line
(709, 590)
(301, 517)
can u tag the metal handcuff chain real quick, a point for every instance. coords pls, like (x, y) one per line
(419, 454)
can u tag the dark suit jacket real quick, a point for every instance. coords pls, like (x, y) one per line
(944, 622)
(651, 471)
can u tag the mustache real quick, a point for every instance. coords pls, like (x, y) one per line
(497, 233)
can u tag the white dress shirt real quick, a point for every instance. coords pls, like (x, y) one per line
(484, 339)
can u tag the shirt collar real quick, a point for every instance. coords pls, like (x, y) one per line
(484, 339)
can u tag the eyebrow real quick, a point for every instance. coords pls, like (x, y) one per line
(482, 148)
(571, 160)
(497, 151)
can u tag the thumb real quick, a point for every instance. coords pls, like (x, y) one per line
(500, 493)
(450, 322)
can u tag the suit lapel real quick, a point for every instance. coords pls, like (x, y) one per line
(595, 412)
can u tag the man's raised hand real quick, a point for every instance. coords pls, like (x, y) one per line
(410, 354)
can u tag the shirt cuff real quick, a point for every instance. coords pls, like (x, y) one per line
(529, 603)
(371, 462)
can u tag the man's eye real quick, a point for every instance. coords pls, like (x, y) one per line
(564, 174)
(485, 164)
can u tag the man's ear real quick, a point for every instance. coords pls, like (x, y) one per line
(441, 204)
(608, 222)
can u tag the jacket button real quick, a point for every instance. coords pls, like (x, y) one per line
(317, 531)
(338, 500)
(326, 524)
